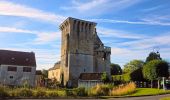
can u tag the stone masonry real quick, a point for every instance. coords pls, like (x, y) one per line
(82, 51)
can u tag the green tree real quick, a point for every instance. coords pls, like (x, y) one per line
(45, 73)
(155, 69)
(105, 77)
(153, 56)
(115, 69)
(133, 65)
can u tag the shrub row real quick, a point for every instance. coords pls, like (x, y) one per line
(98, 90)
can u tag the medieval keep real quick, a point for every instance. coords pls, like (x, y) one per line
(82, 51)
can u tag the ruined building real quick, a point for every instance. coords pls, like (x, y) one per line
(82, 51)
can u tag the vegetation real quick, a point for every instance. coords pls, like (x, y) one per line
(115, 69)
(165, 98)
(124, 89)
(133, 65)
(153, 56)
(105, 77)
(45, 73)
(135, 75)
(99, 90)
(155, 69)
(149, 91)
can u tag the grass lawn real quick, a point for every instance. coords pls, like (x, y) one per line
(143, 92)
(149, 91)
(166, 98)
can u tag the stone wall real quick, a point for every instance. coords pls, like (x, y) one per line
(78, 50)
(19, 77)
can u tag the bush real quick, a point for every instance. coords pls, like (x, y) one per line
(124, 89)
(62, 93)
(24, 92)
(3, 92)
(99, 90)
(52, 94)
(40, 93)
(81, 91)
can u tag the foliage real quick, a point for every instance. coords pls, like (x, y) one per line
(133, 65)
(62, 93)
(80, 91)
(136, 75)
(115, 69)
(26, 84)
(52, 94)
(99, 90)
(105, 77)
(3, 92)
(40, 93)
(153, 56)
(24, 92)
(124, 89)
(155, 69)
(45, 73)
(53, 84)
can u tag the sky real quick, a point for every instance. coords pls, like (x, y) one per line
(132, 28)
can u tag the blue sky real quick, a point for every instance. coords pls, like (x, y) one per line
(132, 28)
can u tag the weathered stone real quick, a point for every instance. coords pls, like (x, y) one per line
(81, 51)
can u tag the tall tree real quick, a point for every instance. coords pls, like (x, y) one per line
(115, 69)
(45, 73)
(153, 56)
(155, 69)
(133, 65)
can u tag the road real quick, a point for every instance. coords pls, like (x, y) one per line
(143, 98)
(128, 98)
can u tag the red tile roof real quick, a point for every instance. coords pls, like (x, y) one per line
(8, 57)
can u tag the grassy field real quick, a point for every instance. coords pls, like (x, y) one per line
(166, 98)
(143, 92)
(149, 91)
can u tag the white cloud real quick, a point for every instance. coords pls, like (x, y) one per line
(152, 8)
(44, 37)
(98, 6)
(162, 20)
(12, 29)
(13, 9)
(149, 43)
(41, 37)
(105, 32)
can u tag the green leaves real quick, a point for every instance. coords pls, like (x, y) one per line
(155, 69)
(133, 65)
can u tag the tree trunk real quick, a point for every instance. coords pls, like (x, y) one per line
(164, 83)
(151, 83)
(158, 84)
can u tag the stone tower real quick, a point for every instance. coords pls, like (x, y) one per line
(77, 50)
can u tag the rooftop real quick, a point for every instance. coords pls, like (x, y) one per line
(8, 57)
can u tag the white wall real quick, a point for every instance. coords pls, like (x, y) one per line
(18, 77)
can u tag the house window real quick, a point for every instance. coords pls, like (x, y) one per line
(26, 69)
(11, 68)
